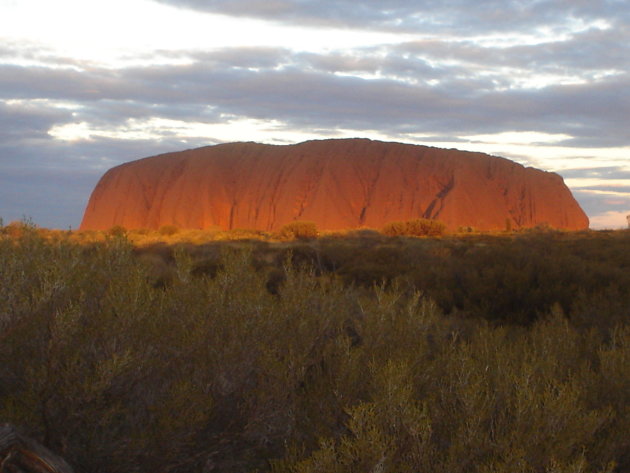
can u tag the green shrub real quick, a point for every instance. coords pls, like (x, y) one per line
(298, 230)
(417, 227)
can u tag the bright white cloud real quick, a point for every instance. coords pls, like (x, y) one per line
(31, 103)
(606, 192)
(542, 35)
(519, 137)
(123, 32)
(592, 182)
(231, 129)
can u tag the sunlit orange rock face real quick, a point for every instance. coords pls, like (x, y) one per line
(338, 184)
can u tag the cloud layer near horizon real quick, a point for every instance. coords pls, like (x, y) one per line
(545, 83)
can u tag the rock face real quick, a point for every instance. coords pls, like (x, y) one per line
(338, 184)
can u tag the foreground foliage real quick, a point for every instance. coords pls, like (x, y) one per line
(233, 365)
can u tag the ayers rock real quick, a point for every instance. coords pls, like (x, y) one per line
(338, 184)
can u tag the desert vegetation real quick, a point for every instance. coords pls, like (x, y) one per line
(298, 230)
(346, 353)
(416, 227)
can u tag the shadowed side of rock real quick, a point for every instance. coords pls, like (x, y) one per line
(338, 184)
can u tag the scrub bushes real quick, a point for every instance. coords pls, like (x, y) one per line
(298, 230)
(211, 371)
(417, 227)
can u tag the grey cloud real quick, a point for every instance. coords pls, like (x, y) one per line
(601, 197)
(39, 82)
(597, 204)
(246, 57)
(590, 51)
(373, 61)
(607, 172)
(613, 189)
(419, 15)
(28, 122)
(308, 94)
(111, 113)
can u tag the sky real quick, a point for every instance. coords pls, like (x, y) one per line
(86, 85)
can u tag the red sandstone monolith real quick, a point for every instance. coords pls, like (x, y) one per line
(338, 184)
